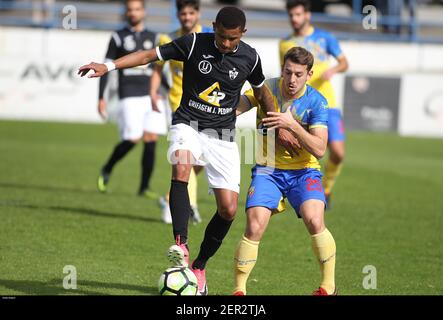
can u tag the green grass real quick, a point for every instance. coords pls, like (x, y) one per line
(387, 212)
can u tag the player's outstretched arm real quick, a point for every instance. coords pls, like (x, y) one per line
(243, 105)
(131, 60)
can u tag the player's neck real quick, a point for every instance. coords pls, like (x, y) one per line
(138, 27)
(305, 31)
(196, 28)
(287, 96)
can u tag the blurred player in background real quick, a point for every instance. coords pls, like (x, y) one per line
(188, 13)
(136, 119)
(281, 174)
(322, 45)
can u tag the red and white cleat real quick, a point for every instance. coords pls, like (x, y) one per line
(322, 292)
(201, 281)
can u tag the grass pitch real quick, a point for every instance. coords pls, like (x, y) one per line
(387, 213)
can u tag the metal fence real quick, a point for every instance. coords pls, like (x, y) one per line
(394, 20)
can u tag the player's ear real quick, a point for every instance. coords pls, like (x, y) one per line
(310, 73)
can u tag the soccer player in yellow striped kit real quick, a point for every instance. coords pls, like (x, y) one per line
(281, 174)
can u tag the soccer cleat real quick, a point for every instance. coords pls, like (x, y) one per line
(238, 293)
(102, 181)
(178, 254)
(201, 281)
(195, 215)
(149, 194)
(166, 211)
(322, 292)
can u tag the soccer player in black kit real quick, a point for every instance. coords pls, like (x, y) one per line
(216, 65)
(136, 119)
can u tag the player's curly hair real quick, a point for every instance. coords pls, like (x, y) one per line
(300, 56)
(180, 4)
(306, 4)
(231, 17)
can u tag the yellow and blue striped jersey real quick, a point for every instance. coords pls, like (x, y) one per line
(310, 109)
(322, 45)
(175, 92)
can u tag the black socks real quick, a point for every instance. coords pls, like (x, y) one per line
(119, 152)
(180, 209)
(215, 233)
(148, 159)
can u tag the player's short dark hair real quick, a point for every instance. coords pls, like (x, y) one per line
(231, 18)
(180, 4)
(300, 56)
(306, 4)
(127, 2)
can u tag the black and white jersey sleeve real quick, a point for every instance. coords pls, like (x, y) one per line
(180, 49)
(256, 78)
(212, 81)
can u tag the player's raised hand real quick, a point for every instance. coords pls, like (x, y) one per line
(283, 120)
(99, 70)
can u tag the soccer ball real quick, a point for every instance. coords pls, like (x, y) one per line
(177, 281)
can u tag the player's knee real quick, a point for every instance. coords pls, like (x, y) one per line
(255, 230)
(181, 172)
(150, 137)
(337, 155)
(227, 211)
(316, 225)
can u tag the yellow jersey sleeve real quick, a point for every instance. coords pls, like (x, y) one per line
(162, 40)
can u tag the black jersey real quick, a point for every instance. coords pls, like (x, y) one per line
(133, 82)
(212, 81)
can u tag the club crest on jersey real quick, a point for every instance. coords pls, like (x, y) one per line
(148, 44)
(205, 66)
(251, 191)
(233, 74)
(213, 95)
(129, 43)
